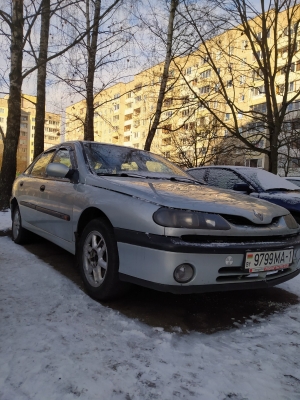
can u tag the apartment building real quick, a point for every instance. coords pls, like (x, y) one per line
(216, 90)
(27, 128)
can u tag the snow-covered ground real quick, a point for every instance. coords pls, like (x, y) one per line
(57, 343)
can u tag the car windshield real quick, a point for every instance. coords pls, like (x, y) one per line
(266, 180)
(115, 160)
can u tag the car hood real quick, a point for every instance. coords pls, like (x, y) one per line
(191, 196)
(287, 199)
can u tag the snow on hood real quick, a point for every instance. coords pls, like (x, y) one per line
(191, 196)
(266, 180)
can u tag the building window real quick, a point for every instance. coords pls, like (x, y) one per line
(188, 71)
(204, 89)
(1, 110)
(116, 107)
(229, 83)
(244, 44)
(258, 90)
(116, 96)
(227, 116)
(205, 74)
(254, 162)
(185, 113)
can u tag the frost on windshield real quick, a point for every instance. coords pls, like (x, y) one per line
(108, 159)
(266, 180)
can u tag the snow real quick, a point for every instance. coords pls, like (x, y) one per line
(59, 344)
(266, 180)
(5, 220)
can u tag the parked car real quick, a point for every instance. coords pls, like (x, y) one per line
(255, 182)
(132, 216)
(293, 179)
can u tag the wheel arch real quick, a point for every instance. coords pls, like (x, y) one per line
(88, 215)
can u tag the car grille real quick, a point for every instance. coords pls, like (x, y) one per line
(235, 239)
(237, 220)
(238, 274)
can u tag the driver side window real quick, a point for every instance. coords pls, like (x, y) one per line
(63, 157)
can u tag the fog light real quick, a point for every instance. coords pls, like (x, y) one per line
(183, 273)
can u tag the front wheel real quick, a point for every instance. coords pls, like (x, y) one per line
(98, 260)
(18, 232)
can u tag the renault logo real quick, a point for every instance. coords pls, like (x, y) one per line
(258, 215)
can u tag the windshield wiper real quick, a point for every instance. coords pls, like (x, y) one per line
(122, 174)
(183, 179)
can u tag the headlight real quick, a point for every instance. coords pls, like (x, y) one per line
(290, 221)
(189, 219)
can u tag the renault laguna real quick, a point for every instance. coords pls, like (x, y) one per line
(131, 216)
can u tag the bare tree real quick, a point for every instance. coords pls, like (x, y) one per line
(23, 43)
(165, 74)
(95, 63)
(8, 169)
(41, 78)
(199, 143)
(257, 52)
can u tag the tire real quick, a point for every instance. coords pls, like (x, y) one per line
(98, 261)
(19, 233)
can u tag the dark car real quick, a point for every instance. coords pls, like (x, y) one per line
(253, 181)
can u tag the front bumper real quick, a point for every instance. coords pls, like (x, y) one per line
(150, 260)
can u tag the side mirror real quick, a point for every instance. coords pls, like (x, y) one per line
(242, 187)
(57, 170)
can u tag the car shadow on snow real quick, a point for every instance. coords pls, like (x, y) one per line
(207, 313)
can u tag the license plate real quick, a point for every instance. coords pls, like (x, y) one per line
(268, 260)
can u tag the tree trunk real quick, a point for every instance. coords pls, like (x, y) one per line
(163, 84)
(273, 155)
(9, 162)
(41, 80)
(92, 50)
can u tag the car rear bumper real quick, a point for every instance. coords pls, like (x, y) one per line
(150, 260)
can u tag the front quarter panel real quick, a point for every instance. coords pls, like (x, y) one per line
(123, 211)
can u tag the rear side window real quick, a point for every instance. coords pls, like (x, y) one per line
(223, 178)
(39, 168)
(198, 173)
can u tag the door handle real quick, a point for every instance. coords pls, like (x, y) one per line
(42, 188)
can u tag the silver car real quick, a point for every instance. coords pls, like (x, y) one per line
(132, 216)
